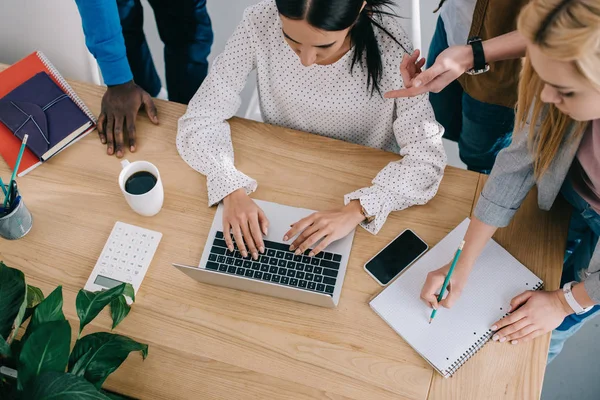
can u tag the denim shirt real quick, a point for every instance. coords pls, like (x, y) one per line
(513, 177)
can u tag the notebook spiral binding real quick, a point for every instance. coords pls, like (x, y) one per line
(478, 345)
(66, 87)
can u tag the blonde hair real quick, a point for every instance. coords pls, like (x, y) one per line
(564, 30)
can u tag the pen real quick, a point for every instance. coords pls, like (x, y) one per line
(448, 276)
(14, 173)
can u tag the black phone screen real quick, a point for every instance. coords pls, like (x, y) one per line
(399, 254)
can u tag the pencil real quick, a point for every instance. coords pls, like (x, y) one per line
(447, 280)
(14, 173)
(3, 187)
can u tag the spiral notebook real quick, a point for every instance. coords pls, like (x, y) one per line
(456, 334)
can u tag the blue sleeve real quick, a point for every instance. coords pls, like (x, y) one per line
(104, 39)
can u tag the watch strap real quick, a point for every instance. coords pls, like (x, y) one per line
(571, 301)
(478, 53)
(368, 218)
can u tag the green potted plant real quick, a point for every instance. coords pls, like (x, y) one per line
(37, 362)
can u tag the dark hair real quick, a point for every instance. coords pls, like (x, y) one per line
(337, 15)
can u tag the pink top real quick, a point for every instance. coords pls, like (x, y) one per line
(586, 168)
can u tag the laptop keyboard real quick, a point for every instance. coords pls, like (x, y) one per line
(278, 265)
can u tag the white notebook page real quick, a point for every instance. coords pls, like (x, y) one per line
(456, 333)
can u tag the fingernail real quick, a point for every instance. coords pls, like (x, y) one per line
(132, 149)
(418, 83)
(298, 252)
(230, 248)
(266, 232)
(255, 256)
(244, 254)
(311, 254)
(292, 247)
(262, 250)
(503, 340)
(285, 238)
(103, 141)
(494, 327)
(514, 342)
(495, 338)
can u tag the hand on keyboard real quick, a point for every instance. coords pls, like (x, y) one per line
(327, 225)
(247, 221)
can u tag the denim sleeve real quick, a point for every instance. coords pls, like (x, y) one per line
(104, 39)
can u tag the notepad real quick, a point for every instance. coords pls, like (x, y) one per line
(456, 334)
(13, 77)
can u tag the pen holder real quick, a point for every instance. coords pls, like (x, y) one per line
(18, 222)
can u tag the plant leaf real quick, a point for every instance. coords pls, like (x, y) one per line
(97, 355)
(118, 310)
(50, 309)
(8, 389)
(13, 301)
(4, 348)
(63, 386)
(15, 351)
(47, 349)
(129, 292)
(115, 396)
(34, 296)
(89, 304)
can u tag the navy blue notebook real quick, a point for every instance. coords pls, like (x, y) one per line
(40, 109)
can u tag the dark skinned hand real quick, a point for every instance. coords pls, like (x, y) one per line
(120, 106)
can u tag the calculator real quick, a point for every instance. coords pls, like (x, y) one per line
(126, 257)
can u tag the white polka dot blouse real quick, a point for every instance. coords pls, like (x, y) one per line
(326, 100)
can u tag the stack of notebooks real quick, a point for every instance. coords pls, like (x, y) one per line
(36, 100)
(456, 334)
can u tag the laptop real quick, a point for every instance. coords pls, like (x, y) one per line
(278, 272)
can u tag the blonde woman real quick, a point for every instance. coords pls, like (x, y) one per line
(557, 148)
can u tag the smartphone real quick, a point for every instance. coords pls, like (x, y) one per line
(396, 257)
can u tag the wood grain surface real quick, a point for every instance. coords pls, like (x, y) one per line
(209, 342)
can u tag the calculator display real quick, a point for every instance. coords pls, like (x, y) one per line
(106, 282)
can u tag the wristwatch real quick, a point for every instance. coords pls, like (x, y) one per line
(479, 64)
(368, 218)
(571, 300)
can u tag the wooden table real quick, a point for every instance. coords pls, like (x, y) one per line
(215, 343)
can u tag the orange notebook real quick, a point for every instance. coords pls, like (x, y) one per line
(11, 78)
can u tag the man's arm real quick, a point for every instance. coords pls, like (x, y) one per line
(104, 39)
(123, 98)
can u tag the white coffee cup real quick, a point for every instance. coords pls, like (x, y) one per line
(149, 203)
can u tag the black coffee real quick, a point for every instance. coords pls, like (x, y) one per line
(140, 182)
